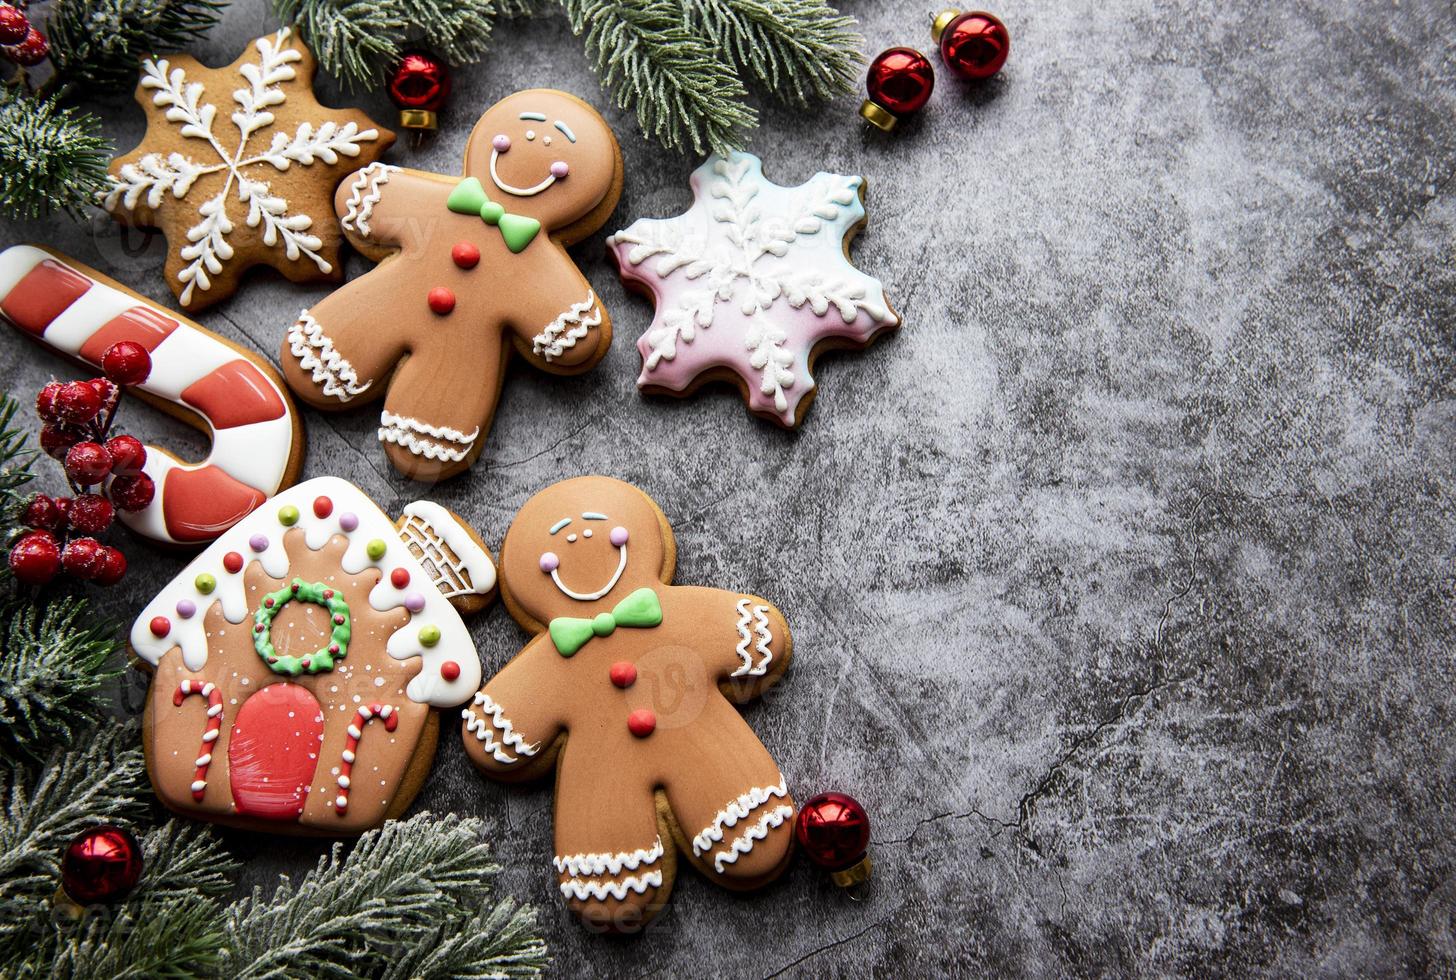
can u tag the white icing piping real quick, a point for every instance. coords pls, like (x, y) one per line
(744, 844)
(556, 339)
(424, 428)
(518, 191)
(604, 863)
(361, 205)
(765, 636)
(443, 525)
(582, 890)
(509, 737)
(589, 596)
(401, 430)
(736, 811)
(327, 367)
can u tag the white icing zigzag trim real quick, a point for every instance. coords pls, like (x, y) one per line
(556, 339)
(509, 737)
(361, 204)
(327, 367)
(401, 431)
(765, 636)
(582, 889)
(735, 811)
(604, 863)
(744, 844)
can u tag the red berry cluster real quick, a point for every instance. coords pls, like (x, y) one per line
(19, 41)
(77, 417)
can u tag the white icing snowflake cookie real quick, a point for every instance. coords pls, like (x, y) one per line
(238, 168)
(751, 282)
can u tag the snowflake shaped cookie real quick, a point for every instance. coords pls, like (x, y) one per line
(751, 282)
(241, 182)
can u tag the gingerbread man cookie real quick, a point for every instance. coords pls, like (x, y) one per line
(465, 263)
(751, 284)
(237, 168)
(628, 688)
(296, 661)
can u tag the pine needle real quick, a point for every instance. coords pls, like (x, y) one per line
(51, 159)
(98, 43)
(356, 41)
(800, 51)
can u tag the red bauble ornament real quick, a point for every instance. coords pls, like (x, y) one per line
(13, 25)
(132, 493)
(419, 88)
(31, 51)
(88, 463)
(101, 865)
(973, 45)
(899, 83)
(77, 402)
(36, 558)
(127, 362)
(834, 831)
(90, 513)
(128, 455)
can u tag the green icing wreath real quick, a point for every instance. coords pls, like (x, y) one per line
(320, 660)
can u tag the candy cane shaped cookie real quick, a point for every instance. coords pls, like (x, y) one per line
(385, 713)
(202, 379)
(208, 691)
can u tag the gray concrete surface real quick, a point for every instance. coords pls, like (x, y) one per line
(1121, 580)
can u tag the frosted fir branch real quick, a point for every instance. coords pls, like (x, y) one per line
(51, 159)
(275, 65)
(326, 143)
(497, 942)
(271, 211)
(208, 248)
(155, 176)
(96, 44)
(799, 51)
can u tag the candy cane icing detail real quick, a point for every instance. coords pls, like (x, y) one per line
(71, 310)
(385, 713)
(213, 696)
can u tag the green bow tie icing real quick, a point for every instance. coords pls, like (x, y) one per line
(469, 197)
(639, 610)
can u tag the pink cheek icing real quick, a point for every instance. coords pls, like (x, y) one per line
(549, 562)
(618, 536)
(502, 142)
(559, 169)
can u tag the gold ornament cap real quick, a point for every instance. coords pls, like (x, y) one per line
(939, 22)
(854, 874)
(419, 119)
(878, 116)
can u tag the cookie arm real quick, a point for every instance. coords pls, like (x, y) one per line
(382, 207)
(511, 727)
(749, 647)
(558, 322)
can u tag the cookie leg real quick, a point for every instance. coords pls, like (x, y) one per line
(615, 858)
(735, 813)
(439, 407)
(342, 349)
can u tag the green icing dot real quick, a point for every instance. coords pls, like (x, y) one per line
(288, 516)
(430, 635)
(205, 583)
(375, 549)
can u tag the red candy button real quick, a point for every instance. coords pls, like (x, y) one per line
(641, 722)
(465, 255)
(233, 562)
(399, 578)
(161, 627)
(441, 300)
(322, 507)
(624, 674)
(449, 670)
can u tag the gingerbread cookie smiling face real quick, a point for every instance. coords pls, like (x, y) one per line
(466, 262)
(629, 688)
(296, 661)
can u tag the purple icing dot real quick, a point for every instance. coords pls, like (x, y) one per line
(549, 562)
(559, 169)
(414, 602)
(258, 543)
(619, 536)
(502, 142)
(349, 522)
(186, 609)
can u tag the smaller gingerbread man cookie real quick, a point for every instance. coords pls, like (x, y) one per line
(628, 689)
(465, 264)
(237, 168)
(296, 661)
(751, 284)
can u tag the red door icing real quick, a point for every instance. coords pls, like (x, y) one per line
(273, 751)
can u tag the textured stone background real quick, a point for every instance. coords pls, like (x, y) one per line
(1121, 580)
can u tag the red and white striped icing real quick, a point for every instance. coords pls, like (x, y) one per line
(208, 692)
(362, 717)
(59, 303)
